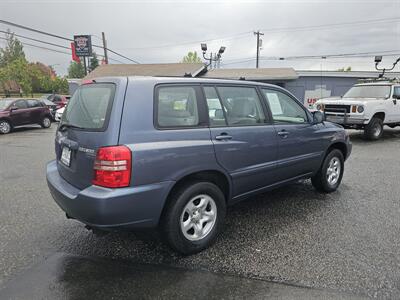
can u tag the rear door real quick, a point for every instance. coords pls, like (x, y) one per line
(299, 141)
(244, 140)
(91, 120)
(35, 110)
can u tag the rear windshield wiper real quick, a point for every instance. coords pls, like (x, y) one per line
(66, 125)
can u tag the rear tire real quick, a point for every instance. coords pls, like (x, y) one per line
(330, 175)
(46, 122)
(5, 127)
(374, 130)
(193, 217)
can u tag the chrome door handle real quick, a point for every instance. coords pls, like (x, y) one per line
(223, 137)
(283, 134)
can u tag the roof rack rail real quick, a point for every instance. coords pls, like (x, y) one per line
(381, 79)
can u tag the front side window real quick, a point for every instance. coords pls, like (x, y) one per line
(177, 107)
(242, 106)
(396, 92)
(20, 104)
(284, 108)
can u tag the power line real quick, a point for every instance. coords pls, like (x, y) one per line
(279, 29)
(52, 50)
(40, 47)
(189, 42)
(61, 37)
(312, 27)
(36, 40)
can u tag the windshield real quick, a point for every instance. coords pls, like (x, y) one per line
(368, 91)
(89, 106)
(4, 103)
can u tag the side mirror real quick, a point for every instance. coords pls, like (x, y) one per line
(13, 108)
(318, 117)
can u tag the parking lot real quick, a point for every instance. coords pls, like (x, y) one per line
(347, 241)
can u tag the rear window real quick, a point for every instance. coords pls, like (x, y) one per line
(177, 107)
(90, 106)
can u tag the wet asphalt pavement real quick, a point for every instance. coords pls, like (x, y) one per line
(346, 242)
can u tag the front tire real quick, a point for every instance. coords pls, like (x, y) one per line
(5, 127)
(193, 217)
(330, 175)
(374, 130)
(46, 122)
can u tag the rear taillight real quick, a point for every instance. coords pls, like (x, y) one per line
(112, 167)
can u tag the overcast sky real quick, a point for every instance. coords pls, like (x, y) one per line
(164, 31)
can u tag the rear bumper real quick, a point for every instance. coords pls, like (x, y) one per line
(124, 208)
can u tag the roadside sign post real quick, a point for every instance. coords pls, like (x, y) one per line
(83, 47)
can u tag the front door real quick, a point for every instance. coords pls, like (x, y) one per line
(394, 106)
(245, 142)
(300, 143)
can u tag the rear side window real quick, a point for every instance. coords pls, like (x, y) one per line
(33, 103)
(90, 106)
(177, 106)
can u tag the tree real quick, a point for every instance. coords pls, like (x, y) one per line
(76, 70)
(191, 57)
(94, 62)
(12, 51)
(18, 70)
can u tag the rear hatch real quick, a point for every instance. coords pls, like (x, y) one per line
(91, 120)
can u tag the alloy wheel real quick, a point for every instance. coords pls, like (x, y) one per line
(5, 127)
(333, 171)
(198, 217)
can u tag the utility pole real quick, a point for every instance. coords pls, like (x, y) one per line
(258, 33)
(105, 48)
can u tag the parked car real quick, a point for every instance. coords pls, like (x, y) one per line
(367, 106)
(150, 152)
(58, 114)
(17, 112)
(59, 100)
(52, 107)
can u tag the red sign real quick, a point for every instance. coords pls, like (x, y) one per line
(74, 56)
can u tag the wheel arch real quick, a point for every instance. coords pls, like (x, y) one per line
(7, 119)
(341, 146)
(380, 115)
(217, 177)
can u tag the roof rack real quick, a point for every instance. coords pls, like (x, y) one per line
(381, 79)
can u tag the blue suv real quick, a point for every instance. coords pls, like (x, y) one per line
(172, 153)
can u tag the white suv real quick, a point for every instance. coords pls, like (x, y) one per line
(366, 106)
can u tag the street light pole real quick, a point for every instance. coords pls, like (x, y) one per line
(378, 59)
(211, 59)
